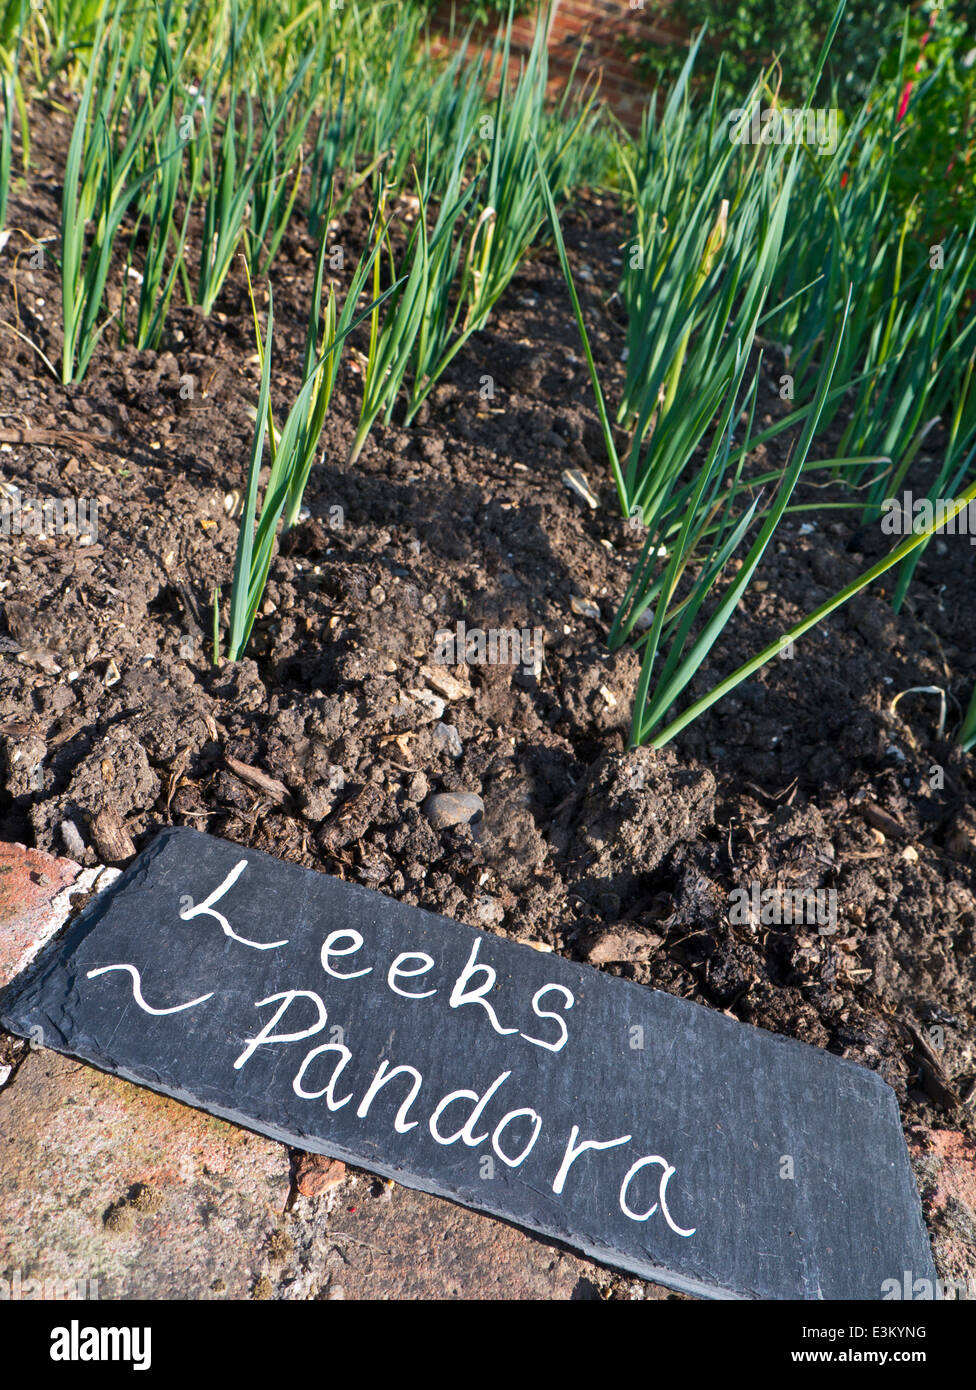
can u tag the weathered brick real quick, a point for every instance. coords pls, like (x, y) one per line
(35, 893)
(945, 1167)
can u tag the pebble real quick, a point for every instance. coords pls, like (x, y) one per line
(419, 787)
(73, 842)
(448, 740)
(585, 607)
(430, 701)
(445, 809)
(488, 912)
(444, 683)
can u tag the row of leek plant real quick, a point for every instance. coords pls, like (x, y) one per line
(153, 144)
(454, 274)
(682, 293)
(912, 329)
(450, 276)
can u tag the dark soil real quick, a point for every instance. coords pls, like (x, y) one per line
(804, 778)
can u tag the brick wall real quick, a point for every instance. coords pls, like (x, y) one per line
(595, 32)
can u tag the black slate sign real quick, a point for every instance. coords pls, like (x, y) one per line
(651, 1133)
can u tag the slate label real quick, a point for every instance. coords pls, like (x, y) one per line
(651, 1133)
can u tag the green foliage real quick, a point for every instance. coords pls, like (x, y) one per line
(746, 36)
(484, 12)
(936, 85)
(672, 633)
(292, 451)
(967, 734)
(120, 114)
(14, 15)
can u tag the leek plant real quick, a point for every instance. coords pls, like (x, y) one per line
(233, 164)
(157, 208)
(512, 204)
(684, 385)
(165, 242)
(967, 733)
(682, 171)
(13, 22)
(670, 635)
(486, 221)
(912, 326)
(6, 142)
(714, 288)
(292, 451)
(66, 36)
(324, 339)
(376, 112)
(902, 552)
(275, 187)
(415, 312)
(118, 118)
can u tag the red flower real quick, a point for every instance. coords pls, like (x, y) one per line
(903, 105)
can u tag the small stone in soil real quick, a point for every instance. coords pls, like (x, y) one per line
(448, 740)
(431, 701)
(419, 787)
(445, 809)
(73, 842)
(441, 680)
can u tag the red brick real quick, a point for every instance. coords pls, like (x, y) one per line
(34, 901)
(602, 29)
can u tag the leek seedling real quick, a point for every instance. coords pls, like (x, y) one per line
(706, 290)
(508, 204)
(416, 309)
(103, 176)
(323, 160)
(234, 169)
(513, 205)
(323, 350)
(692, 299)
(275, 190)
(292, 452)
(967, 734)
(896, 557)
(250, 574)
(6, 142)
(13, 25)
(157, 209)
(672, 625)
(160, 267)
